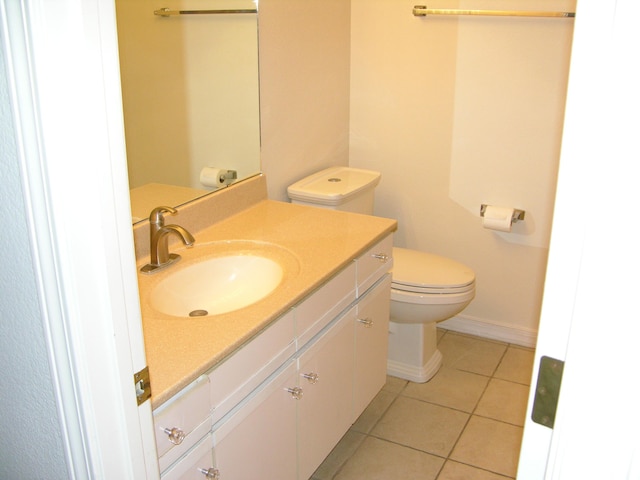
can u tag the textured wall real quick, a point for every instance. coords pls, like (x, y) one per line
(30, 446)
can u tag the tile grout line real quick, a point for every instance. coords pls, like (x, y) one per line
(368, 433)
(401, 393)
(472, 413)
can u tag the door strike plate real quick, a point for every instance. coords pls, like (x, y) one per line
(143, 385)
(545, 401)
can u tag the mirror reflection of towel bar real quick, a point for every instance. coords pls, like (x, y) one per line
(167, 12)
(423, 11)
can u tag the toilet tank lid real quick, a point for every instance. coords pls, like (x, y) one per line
(333, 185)
(421, 269)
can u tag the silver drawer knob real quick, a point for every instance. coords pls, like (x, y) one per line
(212, 473)
(367, 322)
(176, 436)
(381, 256)
(312, 377)
(296, 392)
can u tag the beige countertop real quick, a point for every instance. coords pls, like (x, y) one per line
(313, 244)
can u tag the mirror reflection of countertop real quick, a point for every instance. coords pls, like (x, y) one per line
(147, 197)
(318, 243)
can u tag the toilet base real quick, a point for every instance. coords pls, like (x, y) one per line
(413, 352)
(415, 374)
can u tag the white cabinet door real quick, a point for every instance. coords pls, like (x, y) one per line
(371, 337)
(258, 439)
(326, 379)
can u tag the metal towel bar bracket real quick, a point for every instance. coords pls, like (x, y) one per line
(423, 11)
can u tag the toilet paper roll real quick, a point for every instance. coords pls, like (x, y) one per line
(497, 218)
(213, 177)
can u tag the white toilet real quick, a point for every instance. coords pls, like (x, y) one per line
(425, 288)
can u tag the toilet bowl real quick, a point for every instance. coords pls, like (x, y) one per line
(425, 288)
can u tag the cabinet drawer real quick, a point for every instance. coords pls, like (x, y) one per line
(374, 263)
(184, 413)
(315, 312)
(191, 467)
(237, 376)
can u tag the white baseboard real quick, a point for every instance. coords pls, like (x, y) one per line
(492, 330)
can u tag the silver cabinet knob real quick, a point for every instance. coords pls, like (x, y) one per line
(312, 377)
(381, 256)
(176, 436)
(367, 322)
(212, 473)
(296, 392)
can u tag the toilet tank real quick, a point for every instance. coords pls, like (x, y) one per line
(337, 188)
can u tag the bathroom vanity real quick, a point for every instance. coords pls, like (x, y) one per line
(267, 391)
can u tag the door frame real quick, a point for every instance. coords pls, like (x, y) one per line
(64, 86)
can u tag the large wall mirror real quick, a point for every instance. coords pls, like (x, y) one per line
(190, 89)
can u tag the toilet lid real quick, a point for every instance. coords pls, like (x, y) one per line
(425, 272)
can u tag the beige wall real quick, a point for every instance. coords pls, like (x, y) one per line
(460, 111)
(454, 111)
(304, 88)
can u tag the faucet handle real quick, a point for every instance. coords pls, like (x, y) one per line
(156, 217)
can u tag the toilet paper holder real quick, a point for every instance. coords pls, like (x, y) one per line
(229, 175)
(517, 214)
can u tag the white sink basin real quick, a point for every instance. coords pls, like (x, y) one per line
(216, 285)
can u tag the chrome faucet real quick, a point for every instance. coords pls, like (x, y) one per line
(159, 240)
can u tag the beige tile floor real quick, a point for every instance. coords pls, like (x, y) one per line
(464, 424)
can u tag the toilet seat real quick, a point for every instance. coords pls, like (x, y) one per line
(433, 298)
(425, 274)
